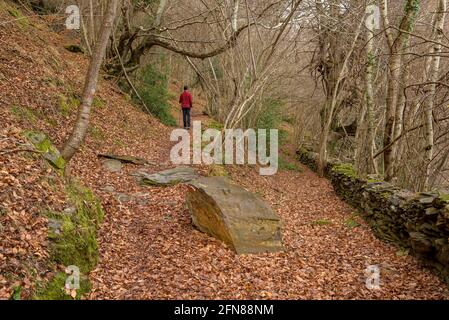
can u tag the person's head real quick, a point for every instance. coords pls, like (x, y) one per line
(186, 88)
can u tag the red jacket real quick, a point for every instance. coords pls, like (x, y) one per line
(186, 100)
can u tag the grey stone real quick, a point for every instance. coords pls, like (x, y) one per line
(143, 201)
(109, 189)
(237, 217)
(112, 165)
(420, 244)
(55, 225)
(69, 211)
(426, 200)
(123, 197)
(429, 194)
(126, 159)
(167, 177)
(432, 211)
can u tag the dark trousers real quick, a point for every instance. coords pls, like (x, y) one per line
(186, 117)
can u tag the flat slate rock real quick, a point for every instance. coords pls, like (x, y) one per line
(125, 159)
(239, 218)
(168, 177)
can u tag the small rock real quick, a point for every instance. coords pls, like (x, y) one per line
(55, 225)
(426, 200)
(432, 211)
(112, 165)
(123, 197)
(109, 189)
(143, 201)
(69, 211)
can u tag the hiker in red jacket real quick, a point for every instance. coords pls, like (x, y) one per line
(186, 104)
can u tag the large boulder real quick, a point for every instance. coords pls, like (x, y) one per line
(234, 215)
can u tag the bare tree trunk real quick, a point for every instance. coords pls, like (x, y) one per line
(395, 64)
(369, 136)
(160, 12)
(92, 22)
(235, 15)
(429, 102)
(371, 132)
(401, 123)
(392, 94)
(84, 31)
(82, 123)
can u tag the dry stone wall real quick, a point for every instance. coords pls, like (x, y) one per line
(418, 222)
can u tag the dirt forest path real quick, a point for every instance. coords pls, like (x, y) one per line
(150, 250)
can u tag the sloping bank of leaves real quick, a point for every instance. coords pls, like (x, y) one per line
(72, 233)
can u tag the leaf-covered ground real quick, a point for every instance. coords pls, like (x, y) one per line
(150, 250)
(148, 246)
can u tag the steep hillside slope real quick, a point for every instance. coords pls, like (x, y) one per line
(40, 85)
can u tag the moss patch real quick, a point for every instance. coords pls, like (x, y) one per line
(67, 104)
(26, 114)
(96, 133)
(346, 169)
(76, 244)
(21, 20)
(98, 103)
(351, 223)
(321, 222)
(16, 295)
(53, 82)
(119, 143)
(212, 124)
(217, 171)
(55, 289)
(289, 166)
